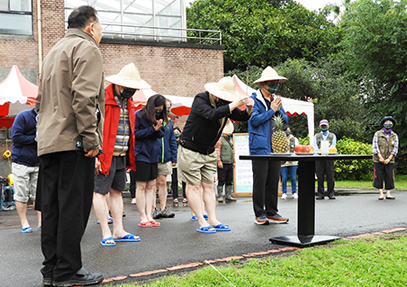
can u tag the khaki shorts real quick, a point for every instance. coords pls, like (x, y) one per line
(25, 182)
(165, 168)
(194, 167)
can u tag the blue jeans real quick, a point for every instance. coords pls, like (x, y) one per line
(284, 175)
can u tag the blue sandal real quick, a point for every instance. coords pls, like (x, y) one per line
(222, 227)
(105, 243)
(194, 218)
(128, 238)
(26, 229)
(206, 229)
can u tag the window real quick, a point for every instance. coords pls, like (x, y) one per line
(160, 20)
(16, 17)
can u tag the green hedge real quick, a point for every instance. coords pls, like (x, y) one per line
(351, 169)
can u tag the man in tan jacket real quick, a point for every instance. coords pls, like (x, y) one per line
(71, 113)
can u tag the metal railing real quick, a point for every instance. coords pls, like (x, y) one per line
(161, 34)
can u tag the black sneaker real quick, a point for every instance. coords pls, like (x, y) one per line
(156, 214)
(81, 278)
(47, 281)
(167, 214)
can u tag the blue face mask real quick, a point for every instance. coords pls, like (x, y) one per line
(324, 128)
(272, 89)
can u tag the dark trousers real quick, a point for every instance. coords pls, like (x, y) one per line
(383, 173)
(174, 184)
(65, 187)
(132, 184)
(325, 167)
(225, 174)
(266, 175)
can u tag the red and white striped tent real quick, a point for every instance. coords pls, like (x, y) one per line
(16, 95)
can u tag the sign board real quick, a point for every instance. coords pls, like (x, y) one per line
(243, 176)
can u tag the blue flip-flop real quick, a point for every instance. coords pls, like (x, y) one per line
(128, 238)
(109, 220)
(27, 229)
(105, 243)
(206, 229)
(194, 218)
(222, 227)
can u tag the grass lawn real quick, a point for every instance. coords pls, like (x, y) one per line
(369, 261)
(400, 183)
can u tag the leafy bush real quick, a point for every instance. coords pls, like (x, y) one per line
(353, 169)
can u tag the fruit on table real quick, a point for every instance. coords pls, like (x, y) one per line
(304, 149)
(279, 140)
(333, 150)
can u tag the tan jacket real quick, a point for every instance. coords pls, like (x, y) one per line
(70, 91)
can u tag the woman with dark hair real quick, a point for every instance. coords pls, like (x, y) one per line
(148, 128)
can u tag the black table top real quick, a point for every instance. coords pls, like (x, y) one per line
(305, 157)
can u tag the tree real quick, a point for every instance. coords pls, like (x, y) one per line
(264, 32)
(375, 38)
(334, 94)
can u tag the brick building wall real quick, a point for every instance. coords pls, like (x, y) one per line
(170, 68)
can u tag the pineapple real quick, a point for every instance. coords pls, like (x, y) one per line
(279, 140)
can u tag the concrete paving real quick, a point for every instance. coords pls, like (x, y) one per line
(176, 242)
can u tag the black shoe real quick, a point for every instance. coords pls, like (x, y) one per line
(156, 214)
(320, 198)
(167, 214)
(332, 197)
(82, 278)
(47, 282)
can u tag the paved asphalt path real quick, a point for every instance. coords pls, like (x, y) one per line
(176, 242)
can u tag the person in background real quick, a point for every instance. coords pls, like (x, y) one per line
(196, 156)
(132, 187)
(174, 177)
(70, 104)
(118, 143)
(266, 174)
(25, 164)
(325, 167)
(167, 159)
(385, 147)
(148, 128)
(226, 163)
(289, 167)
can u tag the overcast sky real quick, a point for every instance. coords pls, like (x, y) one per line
(309, 4)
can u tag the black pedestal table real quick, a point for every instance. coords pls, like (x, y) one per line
(306, 201)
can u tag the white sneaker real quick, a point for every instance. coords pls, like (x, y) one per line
(284, 196)
(295, 195)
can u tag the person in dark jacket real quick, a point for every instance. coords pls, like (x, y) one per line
(25, 164)
(196, 155)
(148, 128)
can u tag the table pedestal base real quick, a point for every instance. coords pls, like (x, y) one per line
(303, 241)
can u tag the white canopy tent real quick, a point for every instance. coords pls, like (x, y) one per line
(291, 106)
